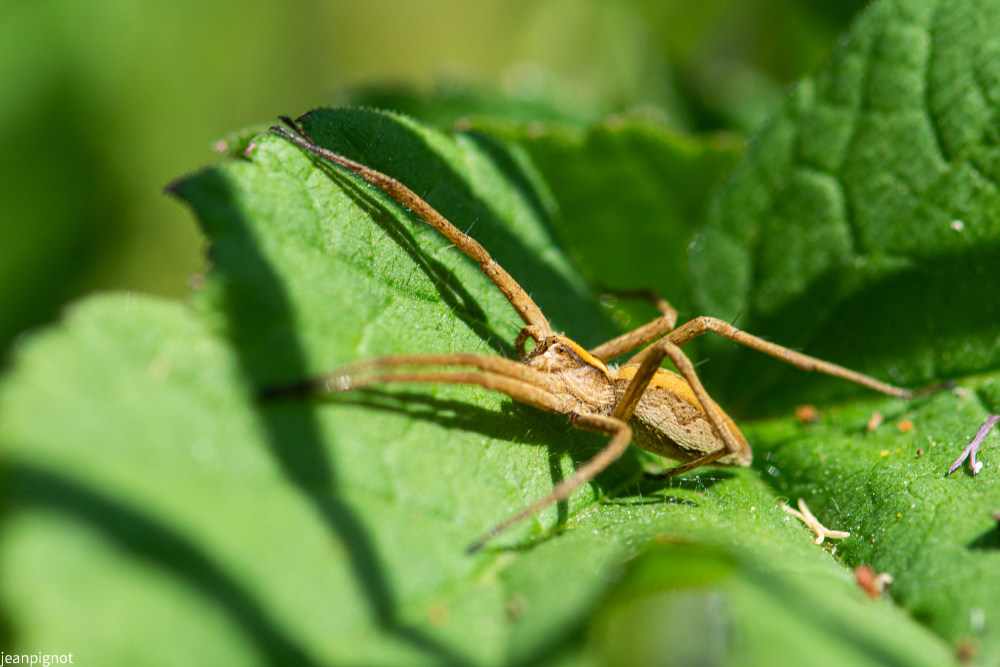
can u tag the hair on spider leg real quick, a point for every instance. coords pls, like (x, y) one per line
(667, 413)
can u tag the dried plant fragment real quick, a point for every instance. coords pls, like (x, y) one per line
(805, 516)
(970, 451)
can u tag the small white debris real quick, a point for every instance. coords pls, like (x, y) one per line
(805, 516)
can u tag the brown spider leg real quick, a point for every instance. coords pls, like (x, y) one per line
(482, 362)
(514, 293)
(643, 335)
(518, 389)
(621, 436)
(651, 360)
(702, 325)
(503, 373)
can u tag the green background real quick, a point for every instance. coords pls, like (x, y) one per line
(103, 104)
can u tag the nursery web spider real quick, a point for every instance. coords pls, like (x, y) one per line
(661, 411)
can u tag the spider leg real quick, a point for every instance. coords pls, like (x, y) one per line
(520, 382)
(643, 335)
(703, 325)
(536, 322)
(621, 436)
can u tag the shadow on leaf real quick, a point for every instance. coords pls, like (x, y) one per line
(158, 544)
(256, 300)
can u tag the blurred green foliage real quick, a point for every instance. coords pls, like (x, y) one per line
(103, 103)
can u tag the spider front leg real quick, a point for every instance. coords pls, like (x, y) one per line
(518, 298)
(702, 325)
(621, 436)
(506, 376)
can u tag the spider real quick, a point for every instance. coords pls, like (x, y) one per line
(663, 412)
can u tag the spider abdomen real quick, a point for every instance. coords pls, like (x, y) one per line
(670, 421)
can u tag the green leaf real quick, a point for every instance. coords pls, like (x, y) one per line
(679, 599)
(864, 226)
(334, 530)
(936, 536)
(629, 188)
(145, 483)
